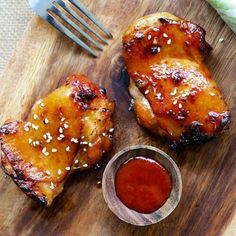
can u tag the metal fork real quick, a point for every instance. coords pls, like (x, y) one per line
(47, 9)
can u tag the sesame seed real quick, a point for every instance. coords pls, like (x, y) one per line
(175, 102)
(212, 94)
(85, 142)
(37, 142)
(54, 150)
(75, 140)
(154, 41)
(44, 149)
(67, 168)
(47, 172)
(146, 92)
(63, 119)
(180, 106)
(52, 186)
(30, 140)
(59, 172)
(111, 130)
(46, 121)
(68, 148)
(34, 144)
(48, 140)
(156, 29)
(26, 129)
(76, 161)
(82, 137)
(84, 149)
(221, 40)
(169, 41)
(165, 35)
(66, 126)
(60, 130)
(36, 127)
(173, 92)
(42, 104)
(59, 138)
(149, 37)
(104, 134)
(158, 49)
(85, 165)
(62, 136)
(45, 136)
(90, 144)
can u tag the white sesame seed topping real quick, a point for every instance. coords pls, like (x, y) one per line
(175, 102)
(42, 104)
(180, 106)
(212, 94)
(90, 144)
(34, 144)
(111, 130)
(155, 41)
(26, 129)
(30, 140)
(45, 136)
(221, 40)
(46, 121)
(68, 148)
(59, 138)
(59, 172)
(146, 92)
(174, 92)
(35, 116)
(67, 168)
(44, 149)
(47, 172)
(36, 127)
(37, 142)
(85, 142)
(85, 165)
(48, 140)
(104, 134)
(84, 149)
(149, 37)
(62, 136)
(54, 150)
(52, 186)
(76, 161)
(82, 137)
(158, 49)
(66, 126)
(165, 35)
(60, 130)
(169, 41)
(74, 140)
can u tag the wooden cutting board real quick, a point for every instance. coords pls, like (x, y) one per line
(42, 61)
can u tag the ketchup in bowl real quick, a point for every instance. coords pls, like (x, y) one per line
(143, 184)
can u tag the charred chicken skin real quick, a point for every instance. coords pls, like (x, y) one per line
(174, 93)
(69, 129)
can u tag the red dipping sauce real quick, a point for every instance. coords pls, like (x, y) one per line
(142, 184)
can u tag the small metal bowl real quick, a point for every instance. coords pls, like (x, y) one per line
(114, 203)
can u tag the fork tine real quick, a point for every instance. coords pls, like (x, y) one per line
(75, 26)
(69, 34)
(79, 5)
(77, 17)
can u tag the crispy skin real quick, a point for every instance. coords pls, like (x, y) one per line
(174, 93)
(81, 114)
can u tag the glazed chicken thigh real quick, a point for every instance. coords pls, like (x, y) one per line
(69, 129)
(174, 93)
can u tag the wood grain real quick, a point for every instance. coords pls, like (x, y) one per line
(42, 61)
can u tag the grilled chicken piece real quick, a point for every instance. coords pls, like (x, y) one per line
(174, 93)
(69, 129)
